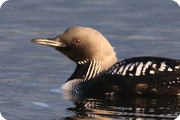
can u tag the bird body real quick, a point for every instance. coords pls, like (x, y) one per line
(99, 72)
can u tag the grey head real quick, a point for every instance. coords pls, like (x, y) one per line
(82, 45)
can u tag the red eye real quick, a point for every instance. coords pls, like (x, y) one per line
(77, 41)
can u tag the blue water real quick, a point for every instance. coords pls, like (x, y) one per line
(31, 75)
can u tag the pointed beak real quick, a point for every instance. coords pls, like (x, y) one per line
(48, 42)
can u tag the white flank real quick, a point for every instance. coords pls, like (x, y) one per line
(71, 85)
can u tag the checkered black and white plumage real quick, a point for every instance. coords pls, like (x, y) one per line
(140, 75)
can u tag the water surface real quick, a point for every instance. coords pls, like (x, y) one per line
(31, 75)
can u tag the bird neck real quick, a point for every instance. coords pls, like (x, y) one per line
(88, 69)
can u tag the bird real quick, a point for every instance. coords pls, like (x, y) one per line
(99, 72)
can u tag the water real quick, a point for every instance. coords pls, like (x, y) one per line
(31, 75)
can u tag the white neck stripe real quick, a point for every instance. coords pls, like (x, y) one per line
(93, 70)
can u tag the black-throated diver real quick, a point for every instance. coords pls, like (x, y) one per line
(99, 72)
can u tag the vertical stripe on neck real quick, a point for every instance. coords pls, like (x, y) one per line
(93, 69)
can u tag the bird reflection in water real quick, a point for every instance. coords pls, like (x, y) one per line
(122, 107)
